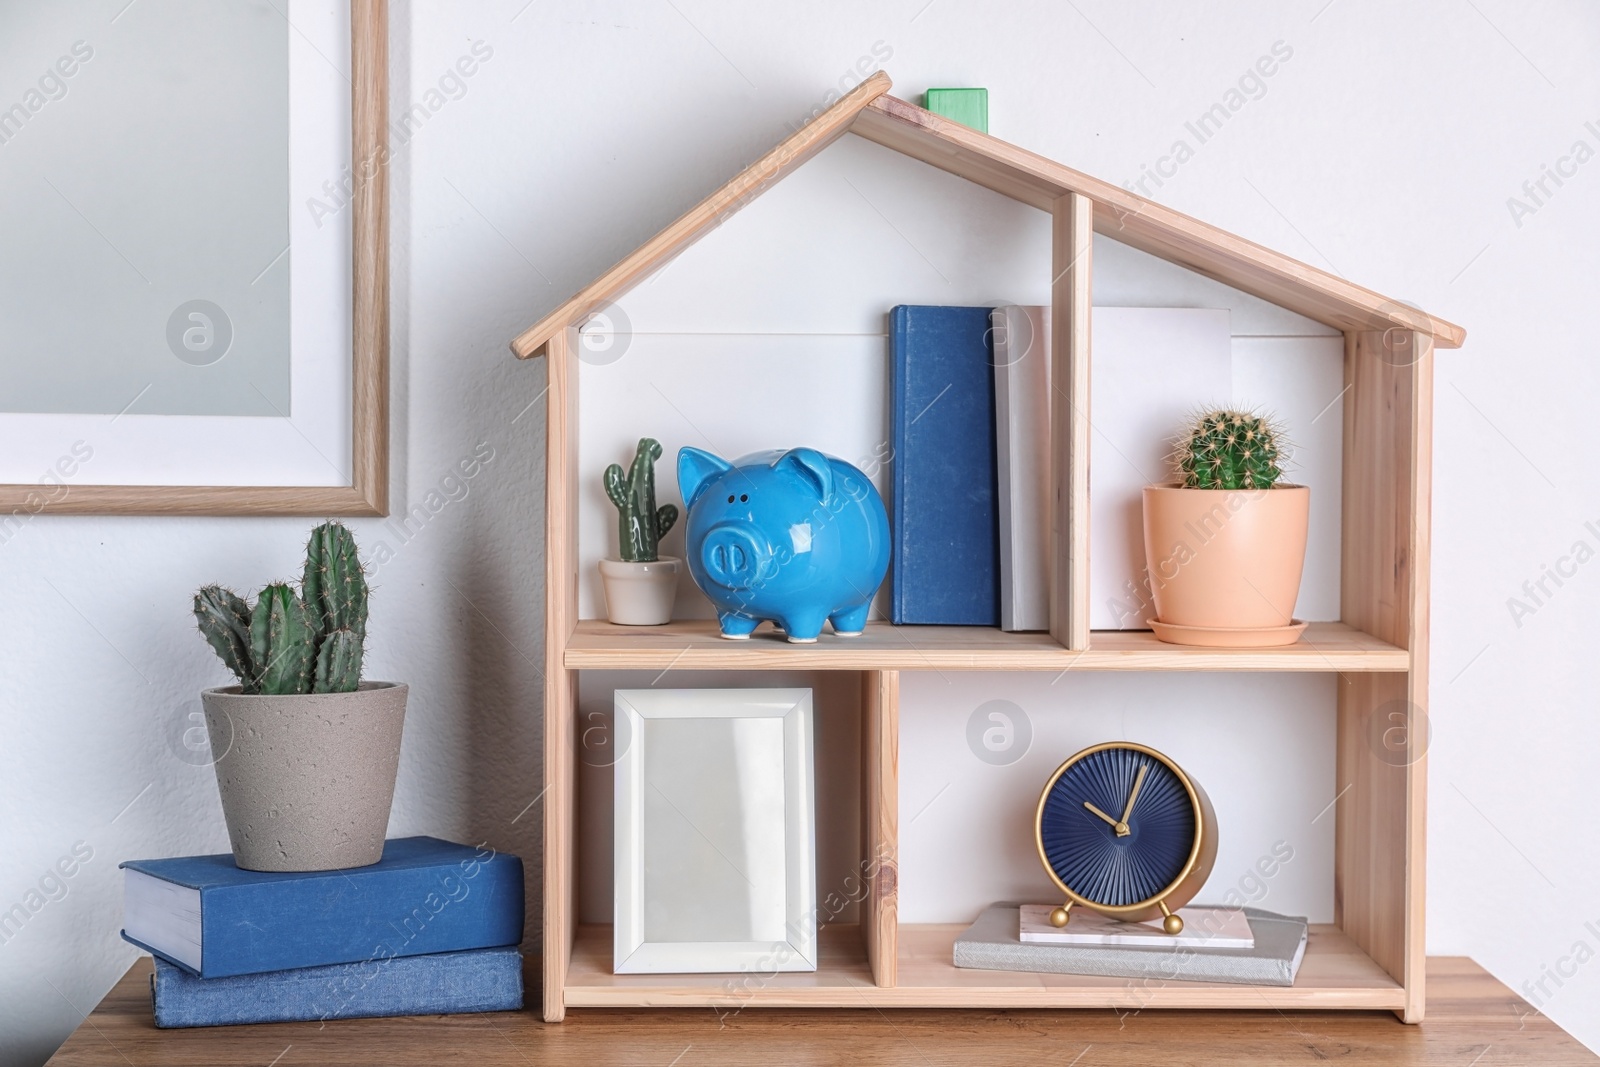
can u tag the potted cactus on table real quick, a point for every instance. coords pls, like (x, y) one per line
(640, 584)
(1226, 544)
(306, 753)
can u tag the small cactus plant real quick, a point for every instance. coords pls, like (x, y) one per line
(1227, 449)
(640, 524)
(289, 642)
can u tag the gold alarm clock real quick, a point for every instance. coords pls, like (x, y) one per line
(1125, 832)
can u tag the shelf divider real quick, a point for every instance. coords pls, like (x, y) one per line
(1071, 264)
(880, 821)
(560, 684)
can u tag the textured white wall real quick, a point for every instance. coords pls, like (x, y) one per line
(770, 332)
(1386, 148)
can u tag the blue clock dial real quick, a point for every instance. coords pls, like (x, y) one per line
(1102, 849)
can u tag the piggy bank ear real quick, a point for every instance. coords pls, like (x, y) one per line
(811, 465)
(696, 468)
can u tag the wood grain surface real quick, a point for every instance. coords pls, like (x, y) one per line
(1473, 1021)
(695, 644)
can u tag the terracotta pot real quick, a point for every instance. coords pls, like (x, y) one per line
(640, 594)
(1226, 559)
(306, 780)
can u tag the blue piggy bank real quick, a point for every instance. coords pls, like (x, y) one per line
(793, 537)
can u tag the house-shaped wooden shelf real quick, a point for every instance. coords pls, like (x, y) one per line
(1371, 957)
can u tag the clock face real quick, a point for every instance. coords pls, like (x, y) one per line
(1110, 851)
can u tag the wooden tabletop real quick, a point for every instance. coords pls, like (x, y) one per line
(1473, 1021)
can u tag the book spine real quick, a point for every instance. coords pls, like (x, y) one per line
(447, 984)
(946, 559)
(1022, 450)
(362, 915)
(898, 330)
(1001, 321)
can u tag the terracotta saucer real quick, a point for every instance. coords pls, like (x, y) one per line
(1227, 636)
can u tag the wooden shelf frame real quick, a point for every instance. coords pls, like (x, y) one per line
(696, 645)
(1371, 957)
(1336, 973)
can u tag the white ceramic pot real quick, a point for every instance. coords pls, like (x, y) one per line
(640, 594)
(306, 780)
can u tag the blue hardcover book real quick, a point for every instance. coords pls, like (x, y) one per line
(448, 984)
(204, 914)
(946, 565)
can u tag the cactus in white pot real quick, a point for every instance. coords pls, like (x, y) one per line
(640, 584)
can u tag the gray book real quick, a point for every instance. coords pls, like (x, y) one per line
(993, 944)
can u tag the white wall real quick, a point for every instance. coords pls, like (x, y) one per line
(1385, 148)
(734, 348)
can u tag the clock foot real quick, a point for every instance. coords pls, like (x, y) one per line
(1172, 924)
(1059, 916)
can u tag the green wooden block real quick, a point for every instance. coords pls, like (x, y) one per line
(970, 107)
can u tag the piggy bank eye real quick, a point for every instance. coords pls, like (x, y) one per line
(730, 498)
(744, 498)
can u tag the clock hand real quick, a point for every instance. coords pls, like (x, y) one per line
(1100, 813)
(1138, 783)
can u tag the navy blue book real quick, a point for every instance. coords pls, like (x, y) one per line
(205, 915)
(448, 984)
(946, 561)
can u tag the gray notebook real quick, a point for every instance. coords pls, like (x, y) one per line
(992, 944)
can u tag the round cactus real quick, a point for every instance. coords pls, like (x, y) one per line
(1226, 449)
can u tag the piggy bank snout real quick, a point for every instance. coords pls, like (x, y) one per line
(734, 556)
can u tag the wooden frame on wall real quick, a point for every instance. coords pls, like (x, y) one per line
(368, 491)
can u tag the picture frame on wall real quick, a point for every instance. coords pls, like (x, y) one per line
(715, 846)
(196, 297)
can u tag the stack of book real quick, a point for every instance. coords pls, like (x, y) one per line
(431, 929)
(1244, 946)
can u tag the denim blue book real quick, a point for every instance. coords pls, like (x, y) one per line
(451, 983)
(205, 915)
(946, 561)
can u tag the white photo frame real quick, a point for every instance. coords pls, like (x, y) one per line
(715, 843)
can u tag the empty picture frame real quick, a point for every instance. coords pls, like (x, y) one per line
(715, 844)
(196, 290)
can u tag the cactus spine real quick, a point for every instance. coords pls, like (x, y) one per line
(1226, 449)
(289, 643)
(640, 524)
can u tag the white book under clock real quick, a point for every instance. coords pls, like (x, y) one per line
(1202, 928)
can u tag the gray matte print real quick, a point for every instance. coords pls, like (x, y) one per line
(144, 169)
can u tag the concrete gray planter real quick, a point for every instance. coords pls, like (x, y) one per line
(306, 781)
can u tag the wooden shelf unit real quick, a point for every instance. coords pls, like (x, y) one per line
(1371, 957)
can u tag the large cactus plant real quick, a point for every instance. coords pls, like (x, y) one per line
(1227, 449)
(289, 642)
(640, 524)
